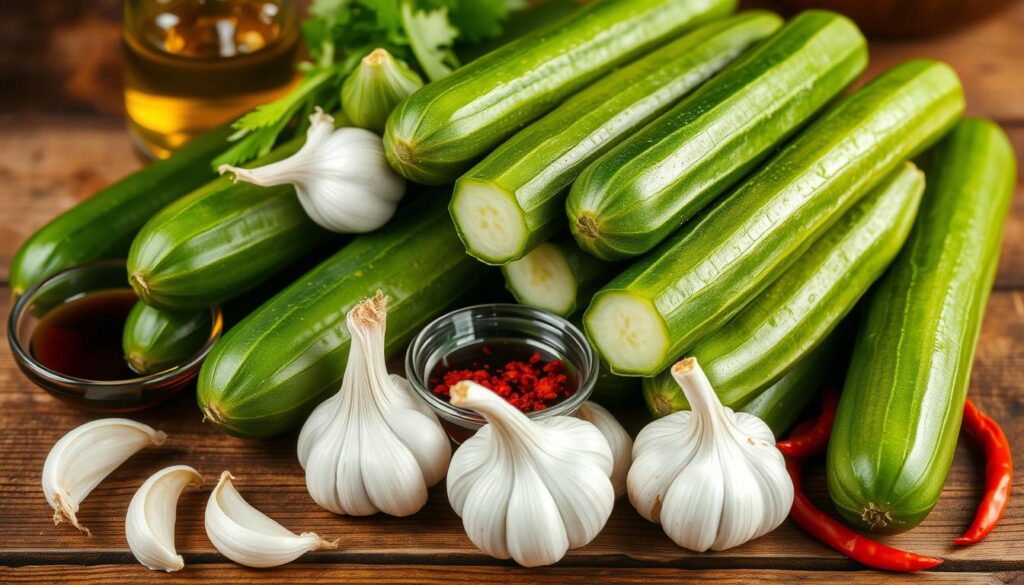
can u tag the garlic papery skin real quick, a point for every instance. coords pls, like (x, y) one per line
(373, 446)
(525, 489)
(341, 177)
(152, 513)
(618, 439)
(80, 460)
(711, 477)
(247, 536)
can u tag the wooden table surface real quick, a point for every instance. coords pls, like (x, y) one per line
(62, 137)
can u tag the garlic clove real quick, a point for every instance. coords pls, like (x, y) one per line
(341, 177)
(618, 439)
(247, 536)
(149, 524)
(81, 459)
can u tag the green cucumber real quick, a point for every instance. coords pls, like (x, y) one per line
(220, 241)
(155, 340)
(899, 415)
(514, 199)
(643, 190)
(800, 309)
(704, 274)
(778, 406)
(557, 276)
(269, 371)
(103, 225)
(440, 131)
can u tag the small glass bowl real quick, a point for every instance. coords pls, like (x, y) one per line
(498, 323)
(98, 395)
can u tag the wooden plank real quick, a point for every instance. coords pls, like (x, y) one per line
(430, 575)
(269, 476)
(49, 163)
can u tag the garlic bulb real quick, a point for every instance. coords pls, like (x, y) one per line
(149, 524)
(341, 177)
(375, 88)
(247, 536)
(618, 439)
(81, 459)
(525, 489)
(373, 446)
(712, 477)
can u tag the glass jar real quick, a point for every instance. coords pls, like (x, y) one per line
(192, 65)
(497, 324)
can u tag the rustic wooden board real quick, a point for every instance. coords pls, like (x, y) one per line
(432, 575)
(61, 139)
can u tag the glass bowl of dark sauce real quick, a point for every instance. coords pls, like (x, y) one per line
(65, 333)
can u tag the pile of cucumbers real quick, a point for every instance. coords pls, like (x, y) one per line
(678, 180)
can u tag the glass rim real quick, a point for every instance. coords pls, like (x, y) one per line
(469, 418)
(24, 356)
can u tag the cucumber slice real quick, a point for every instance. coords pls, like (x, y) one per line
(489, 221)
(557, 276)
(543, 279)
(634, 337)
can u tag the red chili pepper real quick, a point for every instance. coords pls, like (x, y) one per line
(813, 439)
(852, 544)
(998, 473)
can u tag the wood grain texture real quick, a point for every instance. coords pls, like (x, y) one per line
(62, 138)
(430, 575)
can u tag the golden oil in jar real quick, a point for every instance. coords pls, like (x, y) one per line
(192, 65)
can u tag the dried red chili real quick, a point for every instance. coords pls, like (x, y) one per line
(852, 544)
(998, 473)
(531, 385)
(814, 439)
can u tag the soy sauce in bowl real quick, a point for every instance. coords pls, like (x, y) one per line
(82, 337)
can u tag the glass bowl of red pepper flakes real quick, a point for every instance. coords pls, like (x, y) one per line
(537, 361)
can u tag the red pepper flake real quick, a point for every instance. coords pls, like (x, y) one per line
(529, 386)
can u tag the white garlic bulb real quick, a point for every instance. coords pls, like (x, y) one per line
(249, 537)
(373, 446)
(711, 477)
(529, 490)
(80, 460)
(341, 177)
(152, 514)
(618, 439)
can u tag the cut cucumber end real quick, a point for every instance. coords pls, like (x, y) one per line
(543, 279)
(489, 221)
(628, 331)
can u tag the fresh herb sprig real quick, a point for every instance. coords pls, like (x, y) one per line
(341, 32)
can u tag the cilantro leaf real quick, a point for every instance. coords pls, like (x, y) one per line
(431, 37)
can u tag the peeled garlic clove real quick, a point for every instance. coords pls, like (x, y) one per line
(618, 439)
(81, 459)
(247, 536)
(149, 524)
